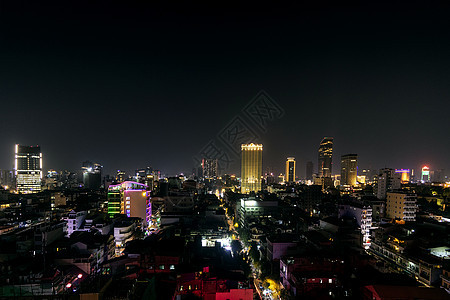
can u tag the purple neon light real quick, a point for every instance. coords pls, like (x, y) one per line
(123, 184)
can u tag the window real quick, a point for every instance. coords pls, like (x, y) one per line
(172, 267)
(161, 267)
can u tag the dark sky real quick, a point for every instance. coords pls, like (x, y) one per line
(149, 85)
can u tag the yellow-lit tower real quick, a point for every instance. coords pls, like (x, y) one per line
(290, 170)
(251, 167)
(349, 169)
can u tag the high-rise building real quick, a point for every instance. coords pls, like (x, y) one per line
(438, 175)
(388, 180)
(28, 168)
(120, 176)
(131, 199)
(92, 175)
(142, 174)
(7, 179)
(425, 174)
(251, 167)
(290, 170)
(325, 157)
(210, 168)
(309, 170)
(349, 169)
(401, 205)
(404, 175)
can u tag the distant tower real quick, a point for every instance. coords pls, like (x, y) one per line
(251, 167)
(28, 168)
(210, 168)
(325, 157)
(92, 175)
(425, 174)
(290, 170)
(121, 176)
(309, 170)
(349, 169)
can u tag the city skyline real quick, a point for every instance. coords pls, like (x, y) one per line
(332, 78)
(281, 168)
(235, 150)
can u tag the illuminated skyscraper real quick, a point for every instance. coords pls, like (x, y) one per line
(404, 175)
(290, 170)
(28, 168)
(210, 168)
(325, 157)
(251, 167)
(121, 176)
(425, 174)
(92, 175)
(349, 169)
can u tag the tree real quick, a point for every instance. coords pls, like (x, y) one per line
(285, 294)
(243, 236)
(254, 252)
(236, 246)
(446, 193)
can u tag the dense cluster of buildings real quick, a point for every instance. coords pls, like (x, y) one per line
(360, 234)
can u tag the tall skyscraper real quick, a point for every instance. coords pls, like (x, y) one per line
(290, 170)
(325, 157)
(425, 174)
(7, 179)
(28, 168)
(251, 167)
(210, 168)
(349, 169)
(309, 170)
(404, 175)
(92, 175)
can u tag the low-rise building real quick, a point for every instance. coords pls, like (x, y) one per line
(300, 275)
(74, 221)
(253, 208)
(401, 205)
(124, 231)
(362, 213)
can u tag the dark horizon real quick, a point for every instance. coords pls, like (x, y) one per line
(147, 85)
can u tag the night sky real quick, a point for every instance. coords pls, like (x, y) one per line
(150, 85)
